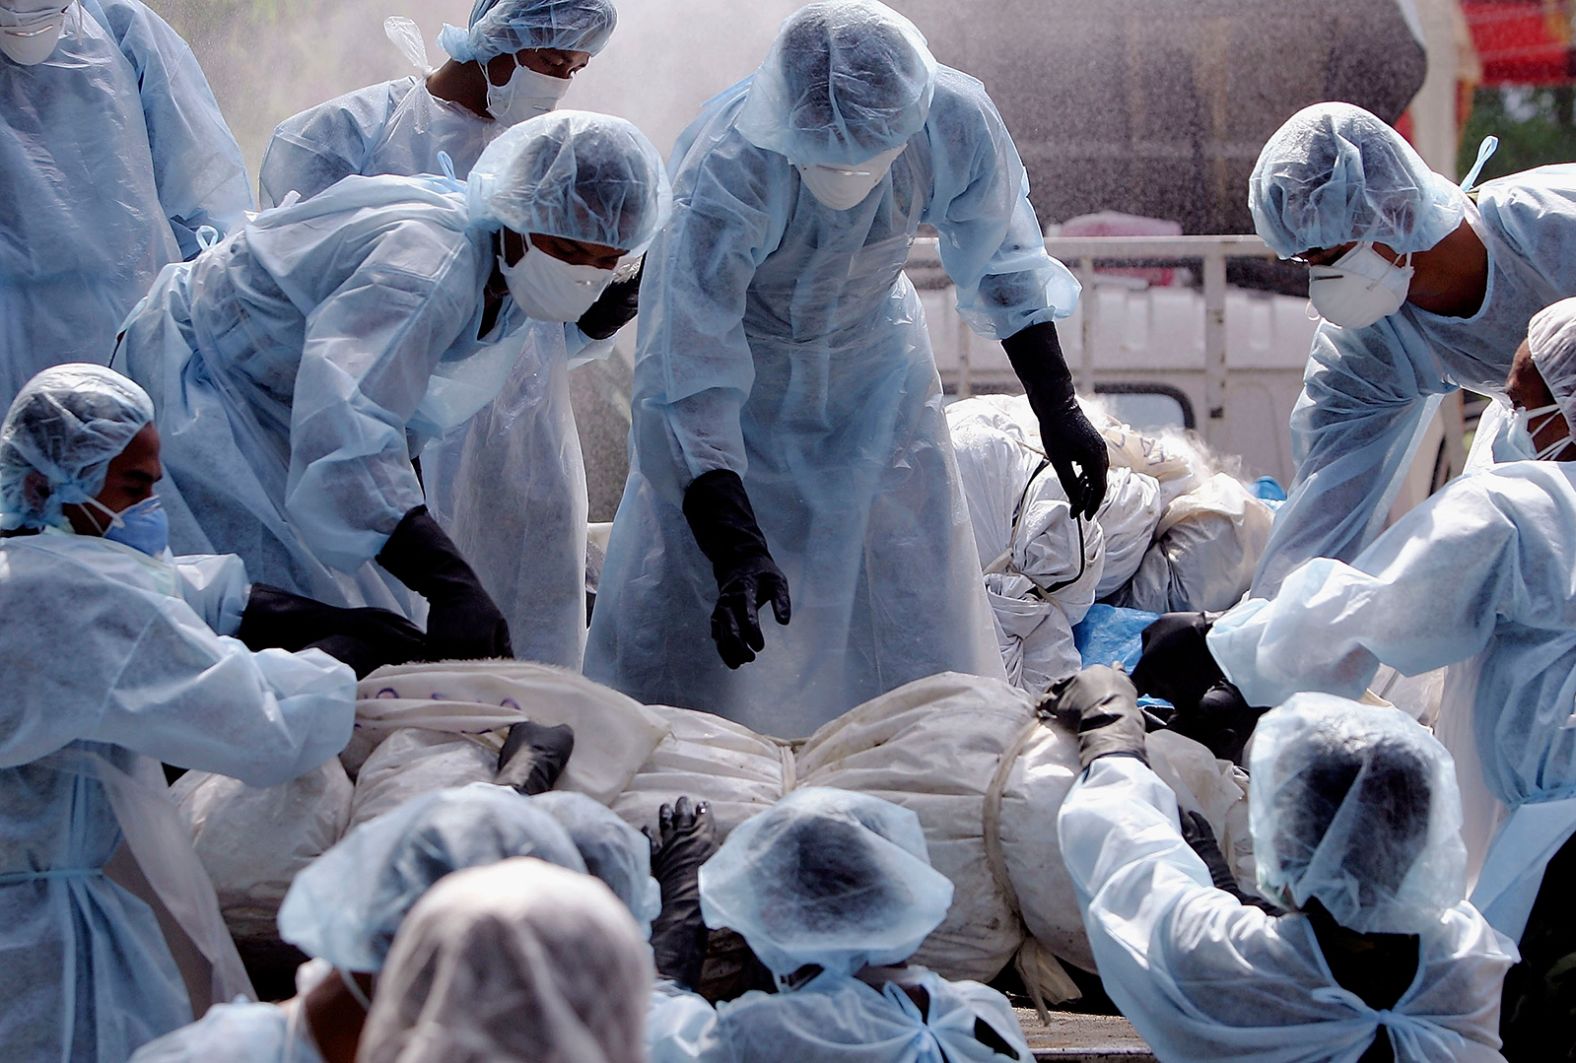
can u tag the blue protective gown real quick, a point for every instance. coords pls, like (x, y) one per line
(509, 486)
(396, 127)
(1204, 977)
(113, 153)
(1369, 393)
(299, 365)
(84, 969)
(780, 339)
(849, 1020)
(1481, 577)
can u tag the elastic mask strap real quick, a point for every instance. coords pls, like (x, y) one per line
(1486, 151)
(354, 989)
(114, 518)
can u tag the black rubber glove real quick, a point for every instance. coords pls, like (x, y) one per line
(1176, 664)
(686, 839)
(1201, 839)
(720, 516)
(614, 308)
(1036, 356)
(365, 639)
(1102, 704)
(533, 756)
(462, 621)
(1221, 720)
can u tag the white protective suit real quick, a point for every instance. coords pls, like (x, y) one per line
(1480, 577)
(1206, 978)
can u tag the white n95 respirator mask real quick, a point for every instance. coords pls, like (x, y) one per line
(28, 37)
(845, 187)
(1359, 288)
(550, 289)
(526, 94)
(1515, 443)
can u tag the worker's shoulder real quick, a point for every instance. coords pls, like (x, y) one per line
(364, 111)
(960, 98)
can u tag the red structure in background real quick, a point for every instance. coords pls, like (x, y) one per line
(1522, 42)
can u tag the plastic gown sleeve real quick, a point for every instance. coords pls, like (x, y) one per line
(698, 273)
(1366, 398)
(215, 587)
(197, 164)
(370, 352)
(154, 679)
(1134, 875)
(991, 243)
(1428, 593)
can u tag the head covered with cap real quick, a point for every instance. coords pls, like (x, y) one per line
(614, 852)
(845, 80)
(826, 877)
(63, 429)
(503, 27)
(1356, 807)
(346, 905)
(575, 175)
(1335, 173)
(516, 960)
(1551, 339)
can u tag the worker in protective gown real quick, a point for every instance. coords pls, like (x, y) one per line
(1423, 288)
(1481, 577)
(118, 655)
(788, 432)
(520, 960)
(1355, 820)
(114, 155)
(508, 485)
(515, 61)
(300, 365)
(834, 891)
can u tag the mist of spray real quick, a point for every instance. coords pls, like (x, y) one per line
(269, 61)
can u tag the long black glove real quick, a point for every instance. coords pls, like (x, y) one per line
(1222, 720)
(686, 839)
(533, 756)
(1201, 839)
(1102, 704)
(1036, 356)
(365, 639)
(1176, 664)
(462, 621)
(614, 308)
(720, 516)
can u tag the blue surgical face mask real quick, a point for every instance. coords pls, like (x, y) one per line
(1516, 443)
(143, 526)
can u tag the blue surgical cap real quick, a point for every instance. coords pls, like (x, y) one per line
(575, 175)
(614, 852)
(503, 27)
(826, 877)
(345, 906)
(1355, 807)
(1335, 173)
(845, 81)
(63, 429)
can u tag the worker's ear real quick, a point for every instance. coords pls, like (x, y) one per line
(35, 490)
